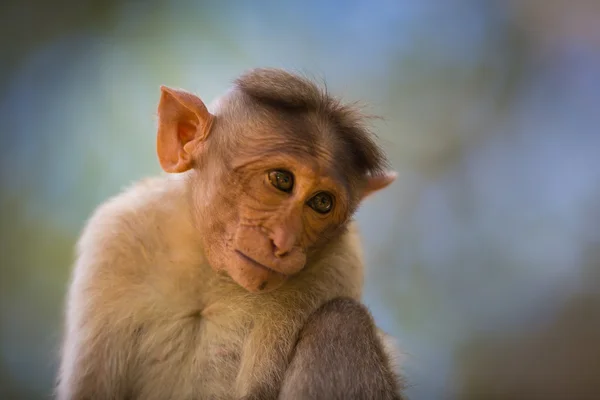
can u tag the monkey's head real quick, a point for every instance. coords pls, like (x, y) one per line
(277, 168)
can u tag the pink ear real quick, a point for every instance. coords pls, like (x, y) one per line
(183, 122)
(378, 182)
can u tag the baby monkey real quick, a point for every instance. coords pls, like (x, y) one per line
(239, 274)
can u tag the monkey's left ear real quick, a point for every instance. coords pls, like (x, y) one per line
(377, 182)
(183, 124)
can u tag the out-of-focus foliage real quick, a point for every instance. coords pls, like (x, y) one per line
(483, 258)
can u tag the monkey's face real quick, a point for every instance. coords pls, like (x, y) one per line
(267, 213)
(273, 183)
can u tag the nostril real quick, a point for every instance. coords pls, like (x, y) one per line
(280, 254)
(277, 251)
(282, 241)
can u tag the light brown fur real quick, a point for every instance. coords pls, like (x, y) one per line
(159, 307)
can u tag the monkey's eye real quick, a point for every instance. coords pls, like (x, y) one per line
(282, 180)
(321, 202)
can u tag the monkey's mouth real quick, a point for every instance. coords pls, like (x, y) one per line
(257, 264)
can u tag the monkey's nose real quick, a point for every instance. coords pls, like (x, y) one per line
(282, 242)
(277, 251)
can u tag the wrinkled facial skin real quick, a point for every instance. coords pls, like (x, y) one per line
(270, 184)
(259, 234)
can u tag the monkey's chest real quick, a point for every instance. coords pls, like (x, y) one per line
(198, 359)
(219, 351)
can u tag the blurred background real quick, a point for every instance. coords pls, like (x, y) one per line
(483, 257)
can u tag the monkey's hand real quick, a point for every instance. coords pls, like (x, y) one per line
(265, 357)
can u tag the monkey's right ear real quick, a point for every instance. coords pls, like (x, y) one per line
(377, 182)
(184, 123)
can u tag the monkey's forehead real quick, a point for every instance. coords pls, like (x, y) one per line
(296, 143)
(332, 130)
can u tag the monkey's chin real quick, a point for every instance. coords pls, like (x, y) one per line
(254, 277)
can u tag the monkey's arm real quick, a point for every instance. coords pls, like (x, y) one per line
(265, 356)
(99, 344)
(339, 355)
(101, 313)
(94, 358)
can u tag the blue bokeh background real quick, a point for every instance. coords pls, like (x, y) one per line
(483, 257)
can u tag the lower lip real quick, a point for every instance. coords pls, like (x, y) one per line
(257, 264)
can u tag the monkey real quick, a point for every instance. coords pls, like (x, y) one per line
(238, 272)
(339, 324)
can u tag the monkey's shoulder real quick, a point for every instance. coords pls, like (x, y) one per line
(132, 227)
(135, 253)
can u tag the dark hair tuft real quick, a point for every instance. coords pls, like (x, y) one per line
(284, 90)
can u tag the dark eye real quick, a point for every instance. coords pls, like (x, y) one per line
(282, 180)
(321, 203)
